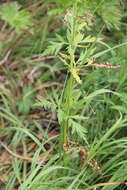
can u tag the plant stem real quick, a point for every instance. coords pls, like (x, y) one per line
(67, 110)
(68, 92)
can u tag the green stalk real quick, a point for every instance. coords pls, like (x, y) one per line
(65, 124)
(68, 92)
(68, 107)
(67, 110)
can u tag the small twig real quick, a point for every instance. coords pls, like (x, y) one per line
(5, 58)
(38, 59)
(3, 27)
(15, 154)
(39, 160)
(47, 85)
(102, 65)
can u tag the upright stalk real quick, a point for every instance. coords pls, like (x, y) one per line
(68, 92)
(67, 110)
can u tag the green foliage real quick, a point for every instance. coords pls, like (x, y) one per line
(16, 18)
(46, 104)
(64, 3)
(77, 129)
(61, 115)
(109, 11)
(53, 48)
(26, 102)
(78, 140)
(111, 14)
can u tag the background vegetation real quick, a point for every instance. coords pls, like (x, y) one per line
(63, 95)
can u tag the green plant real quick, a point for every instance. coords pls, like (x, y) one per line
(78, 76)
(26, 102)
(71, 100)
(16, 18)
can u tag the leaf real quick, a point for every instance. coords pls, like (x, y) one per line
(78, 117)
(64, 61)
(86, 54)
(77, 129)
(96, 93)
(81, 26)
(122, 108)
(112, 14)
(26, 102)
(8, 11)
(68, 34)
(53, 48)
(60, 115)
(78, 38)
(46, 104)
(18, 19)
(57, 11)
(22, 21)
(90, 39)
(60, 38)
